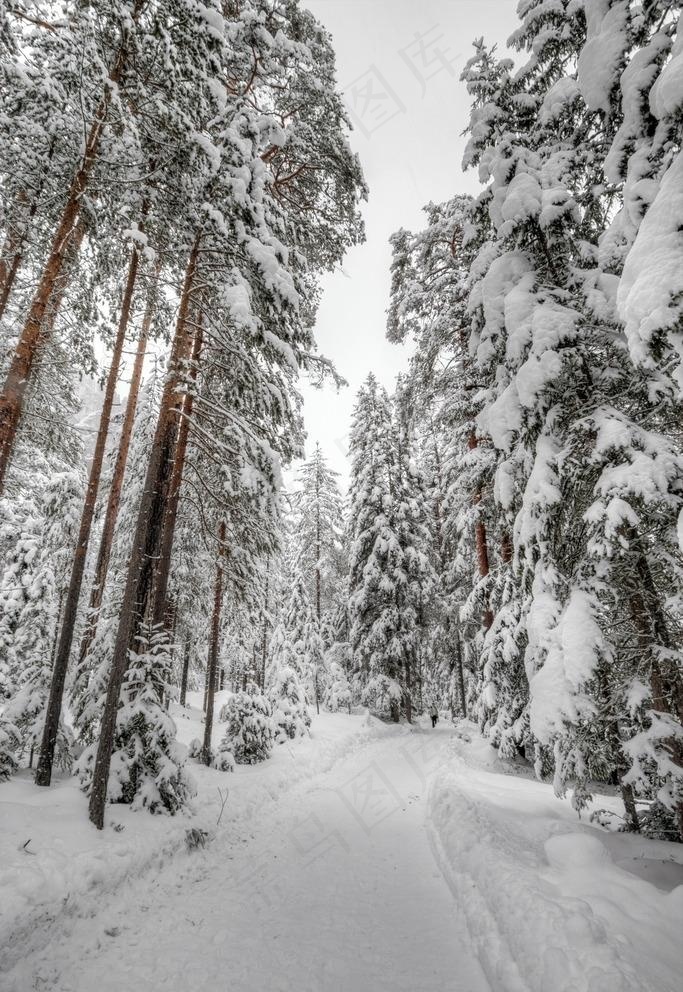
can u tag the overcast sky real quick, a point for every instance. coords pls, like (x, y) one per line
(398, 63)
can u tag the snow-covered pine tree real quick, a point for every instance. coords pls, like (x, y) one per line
(257, 206)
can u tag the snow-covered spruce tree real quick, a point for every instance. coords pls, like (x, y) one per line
(338, 662)
(313, 656)
(578, 441)
(10, 739)
(388, 562)
(646, 162)
(429, 305)
(31, 611)
(297, 644)
(250, 731)
(288, 701)
(318, 524)
(416, 583)
(147, 767)
(372, 610)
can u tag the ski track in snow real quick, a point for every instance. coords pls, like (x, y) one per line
(335, 890)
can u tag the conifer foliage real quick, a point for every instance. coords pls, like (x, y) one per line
(548, 372)
(198, 196)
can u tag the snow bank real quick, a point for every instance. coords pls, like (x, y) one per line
(52, 861)
(544, 900)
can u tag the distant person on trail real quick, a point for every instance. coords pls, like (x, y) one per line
(434, 713)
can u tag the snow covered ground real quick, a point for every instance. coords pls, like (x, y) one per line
(553, 903)
(366, 858)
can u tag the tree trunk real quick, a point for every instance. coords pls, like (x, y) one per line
(54, 705)
(630, 807)
(481, 541)
(317, 543)
(264, 640)
(23, 360)
(147, 535)
(186, 670)
(409, 687)
(163, 568)
(114, 499)
(156, 560)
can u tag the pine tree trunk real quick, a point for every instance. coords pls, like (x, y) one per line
(162, 571)
(317, 543)
(23, 360)
(264, 640)
(114, 498)
(480, 540)
(407, 667)
(54, 705)
(213, 646)
(186, 670)
(147, 535)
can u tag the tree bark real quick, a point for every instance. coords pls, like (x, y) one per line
(162, 571)
(629, 801)
(409, 686)
(147, 535)
(54, 705)
(23, 360)
(186, 670)
(317, 542)
(264, 639)
(481, 541)
(114, 499)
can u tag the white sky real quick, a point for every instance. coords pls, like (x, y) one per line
(398, 63)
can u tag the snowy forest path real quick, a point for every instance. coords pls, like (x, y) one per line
(335, 889)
